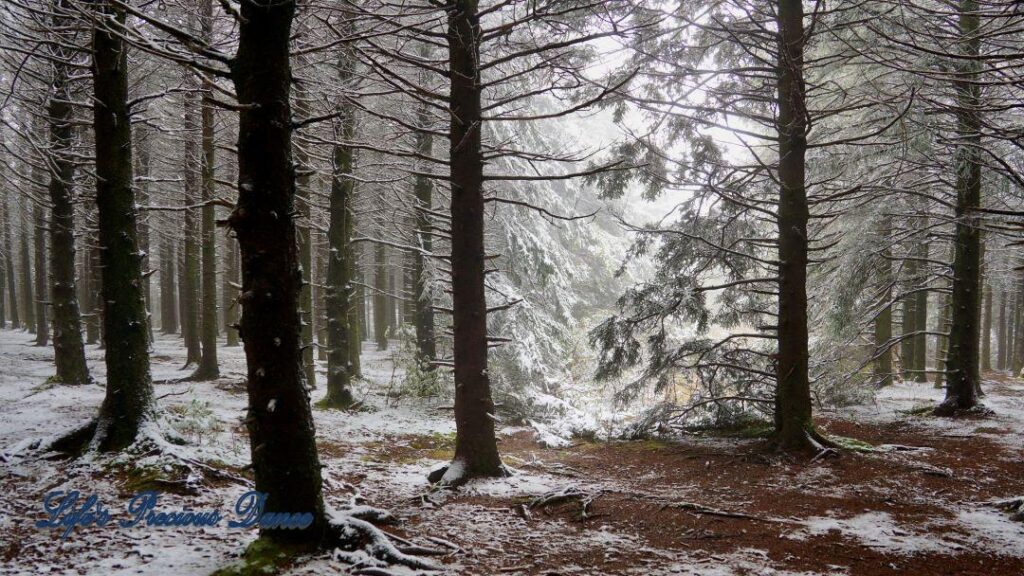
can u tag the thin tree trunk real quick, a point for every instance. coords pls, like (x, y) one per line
(168, 294)
(190, 270)
(921, 312)
(128, 402)
(1001, 335)
(305, 230)
(908, 326)
(280, 421)
(229, 292)
(28, 301)
(986, 331)
(208, 368)
(883, 321)
(476, 448)
(12, 281)
(68, 348)
(423, 304)
(94, 320)
(380, 299)
(42, 325)
(942, 343)
(963, 379)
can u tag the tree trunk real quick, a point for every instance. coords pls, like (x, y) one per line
(143, 159)
(168, 294)
(208, 368)
(128, 402)
(380, 299)
(942, 343)
(986, 331)
(12, 281)
(423, 303)
(908, 354)
(94, 319)
(476, 449)
(42, 325)
(190, 271)
(230, 292)
(921, 311)
(305, 230)
(794, 427)
(279, 420)
(28, 302)
(963, 379)
(68, 349)
(340, 280)
(883, 321)
(1001, 335)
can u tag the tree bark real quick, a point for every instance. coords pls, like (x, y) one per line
(128, 402)
(883, 321)
(230, 292)
(279, 420)
(305, 230)
(794, 427)
(380, 299)
(908, 343)
(208, 368)
(340, 280)
(42, 324)
(12, 288)
(68, 348)
(1001, 333)
(168, 294)
(28, 301)
(476, 448)
(986, 331)
(921, 311)
(423, 304)
(189, 314)
(963, 379)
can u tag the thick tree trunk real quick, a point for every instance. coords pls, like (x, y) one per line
(68, 348)
(208, 368)
(279, 420)
(128, 403)
(963, 379)
(476, 449)
(794, 427)
(143, 163)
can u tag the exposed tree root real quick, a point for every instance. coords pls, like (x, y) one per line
(953, 409)
(567, 494)
(457, 473)
(1015, 506)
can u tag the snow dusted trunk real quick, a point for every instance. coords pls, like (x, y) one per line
(8, 247)
(476, 450)
(921, 310)
(27, 299)
(793, 424)
(279, 419)
(962, 360)
(305, 231)
(380, 300)
(42, 323)
(341, 328)
(986, 331)
(168, 294)
(128, 403)
(190, 271)
(208, 368)
(68, 348)
(423, 309)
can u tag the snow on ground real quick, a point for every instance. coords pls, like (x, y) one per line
(381, 451)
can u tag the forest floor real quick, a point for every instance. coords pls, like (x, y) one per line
(916, 499)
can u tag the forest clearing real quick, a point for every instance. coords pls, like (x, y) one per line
(922, 501)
